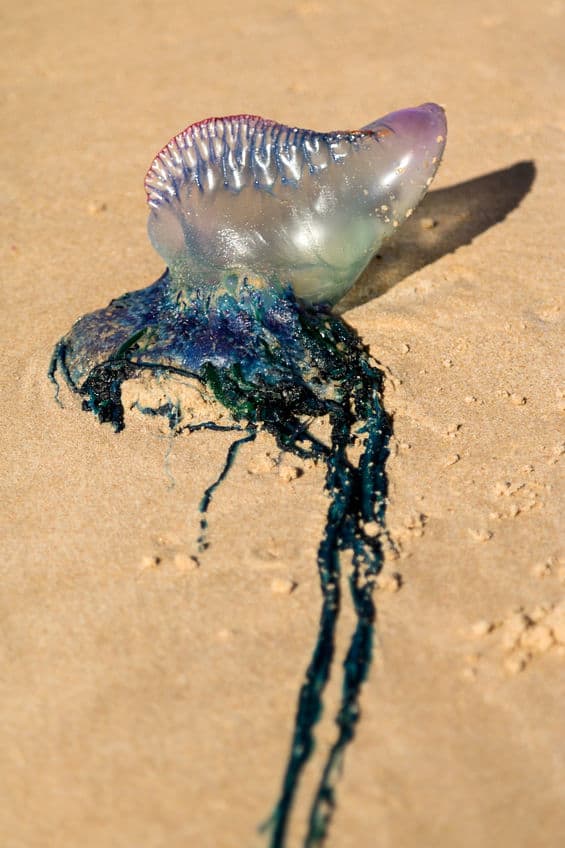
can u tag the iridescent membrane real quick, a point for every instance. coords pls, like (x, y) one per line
(306, 208)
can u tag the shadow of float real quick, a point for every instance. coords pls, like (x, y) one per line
(446, 219)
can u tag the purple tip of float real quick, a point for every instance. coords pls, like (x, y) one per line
(417, 136)
(424, 125)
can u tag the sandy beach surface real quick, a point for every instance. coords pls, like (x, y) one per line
(147, 703)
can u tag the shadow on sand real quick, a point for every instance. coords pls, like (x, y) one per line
(455, 216)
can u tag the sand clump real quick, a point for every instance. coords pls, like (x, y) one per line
(521, 636)
(282, 586)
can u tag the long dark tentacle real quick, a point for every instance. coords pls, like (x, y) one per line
(209, 492)
(356, 667)
(367, 560)
(309, 710)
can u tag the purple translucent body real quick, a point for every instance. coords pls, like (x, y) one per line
(245, 196)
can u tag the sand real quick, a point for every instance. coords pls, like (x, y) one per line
(146, 699)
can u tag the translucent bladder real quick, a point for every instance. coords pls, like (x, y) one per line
(279, 205)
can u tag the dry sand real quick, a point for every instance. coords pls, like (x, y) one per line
(147, 703)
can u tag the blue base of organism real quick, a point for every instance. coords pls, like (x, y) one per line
(278, 364)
